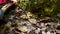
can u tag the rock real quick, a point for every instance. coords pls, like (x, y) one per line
(32, 32)
(43, 32)
(23, 29)
(11, 17)
(38, 24)
(8, 24)
(22, 23)
(37, 31)
(23, 16)
(48, 32)
(33, 21)
(42, 25)
(30, 28)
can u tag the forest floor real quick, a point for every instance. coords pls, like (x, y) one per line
(22, 25)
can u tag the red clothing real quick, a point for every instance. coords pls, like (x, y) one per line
(3, 1)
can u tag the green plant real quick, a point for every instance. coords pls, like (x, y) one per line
(48, 8)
